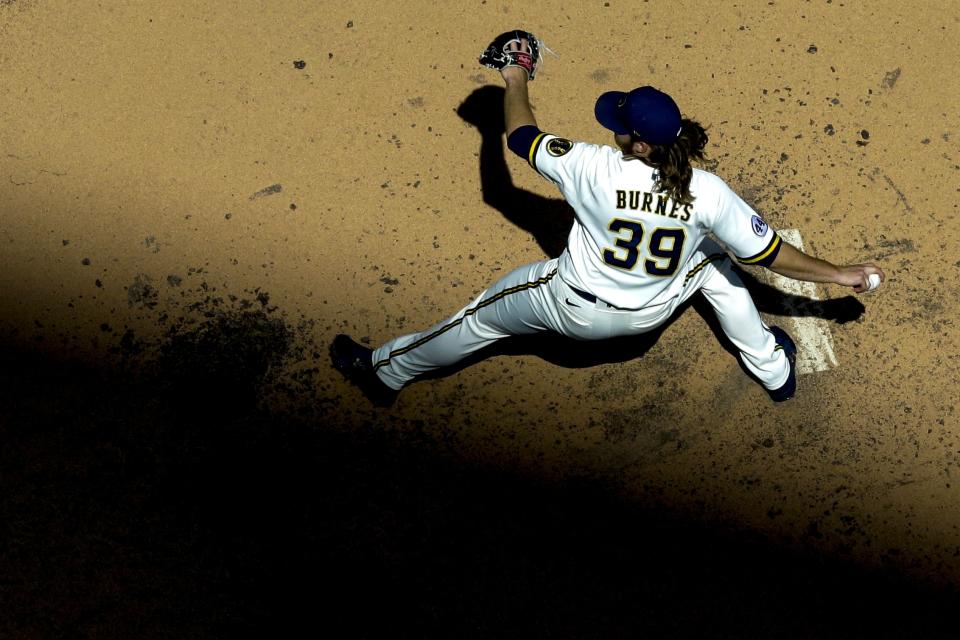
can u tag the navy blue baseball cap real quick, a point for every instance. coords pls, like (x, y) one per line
(646, 113)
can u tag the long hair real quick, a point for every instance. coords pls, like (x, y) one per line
(673, 161)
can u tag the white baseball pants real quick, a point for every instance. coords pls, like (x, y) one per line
(535, 298)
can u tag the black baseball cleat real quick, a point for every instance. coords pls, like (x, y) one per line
(355, 362)
(788, 388)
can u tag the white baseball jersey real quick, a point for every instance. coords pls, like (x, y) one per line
(628, 241)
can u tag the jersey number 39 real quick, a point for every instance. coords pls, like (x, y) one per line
(665, 247)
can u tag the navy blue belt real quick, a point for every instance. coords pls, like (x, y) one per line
(589, 297)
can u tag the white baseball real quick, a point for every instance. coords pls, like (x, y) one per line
(873, 281)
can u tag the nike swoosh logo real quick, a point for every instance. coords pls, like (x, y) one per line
(571, 304)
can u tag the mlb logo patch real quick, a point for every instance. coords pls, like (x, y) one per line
(759, 226)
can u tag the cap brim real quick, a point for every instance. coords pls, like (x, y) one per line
(607, 112)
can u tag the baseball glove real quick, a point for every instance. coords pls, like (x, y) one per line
(501, 54)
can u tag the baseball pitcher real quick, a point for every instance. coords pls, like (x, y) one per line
(645, 239)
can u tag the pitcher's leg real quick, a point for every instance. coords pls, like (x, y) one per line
(741, 322)
(512, 306)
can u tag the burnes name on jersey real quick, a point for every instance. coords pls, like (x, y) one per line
(644, 201)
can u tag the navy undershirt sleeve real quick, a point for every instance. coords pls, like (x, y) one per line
(521, 139)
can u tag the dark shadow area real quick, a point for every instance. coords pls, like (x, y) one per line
(775, 302)
(160, 501)
(548, 220)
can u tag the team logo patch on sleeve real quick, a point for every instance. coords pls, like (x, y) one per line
(759, 226)
(558, 147)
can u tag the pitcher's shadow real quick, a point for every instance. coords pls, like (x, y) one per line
(549, 221)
